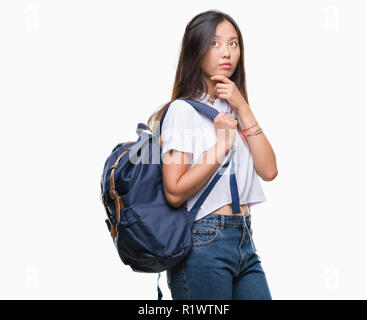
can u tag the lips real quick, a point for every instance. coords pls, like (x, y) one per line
(225, 64)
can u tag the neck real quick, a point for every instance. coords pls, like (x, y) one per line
(211, 84)
(213, 96)
(211, 99)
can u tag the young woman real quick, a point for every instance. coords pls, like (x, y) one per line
(223, 263)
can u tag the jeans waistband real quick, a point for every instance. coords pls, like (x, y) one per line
(222, 220)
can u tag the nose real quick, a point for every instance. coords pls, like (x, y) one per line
(225, 51)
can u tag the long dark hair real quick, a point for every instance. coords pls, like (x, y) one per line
(189, 81)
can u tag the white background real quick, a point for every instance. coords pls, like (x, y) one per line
(77, 76)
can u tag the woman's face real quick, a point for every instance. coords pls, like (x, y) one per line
(223, 48)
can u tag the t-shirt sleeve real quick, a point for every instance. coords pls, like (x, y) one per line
(178, 128)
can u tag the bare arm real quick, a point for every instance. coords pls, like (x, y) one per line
(261, 150)
(181, 184)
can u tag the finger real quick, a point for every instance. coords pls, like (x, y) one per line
(221, 90)
(220, 77)
(221, 85)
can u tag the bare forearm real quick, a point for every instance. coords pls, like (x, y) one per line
(261, 150)
(195, 178)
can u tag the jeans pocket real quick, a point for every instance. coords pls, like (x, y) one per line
(203, 235)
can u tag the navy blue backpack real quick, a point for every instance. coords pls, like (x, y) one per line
(149, 234)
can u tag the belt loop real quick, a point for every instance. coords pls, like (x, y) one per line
(222, 218)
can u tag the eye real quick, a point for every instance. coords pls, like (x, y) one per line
(236, 44)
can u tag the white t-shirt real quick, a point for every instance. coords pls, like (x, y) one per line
(187, 130)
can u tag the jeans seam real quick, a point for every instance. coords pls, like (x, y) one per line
(250, 237)
(243, 237)
(185, 280)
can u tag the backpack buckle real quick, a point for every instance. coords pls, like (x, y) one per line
(113, 193)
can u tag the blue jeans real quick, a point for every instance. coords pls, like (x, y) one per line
(222, 265)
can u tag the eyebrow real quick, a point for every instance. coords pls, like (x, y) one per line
(234, 37)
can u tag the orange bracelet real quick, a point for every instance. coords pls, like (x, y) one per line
(243, 136)
(243, 132)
